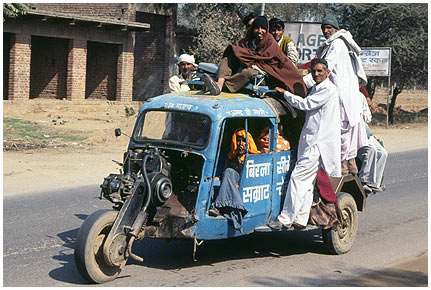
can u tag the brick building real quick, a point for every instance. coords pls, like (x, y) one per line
(77, 51)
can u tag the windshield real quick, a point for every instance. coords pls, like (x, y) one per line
(187, 129)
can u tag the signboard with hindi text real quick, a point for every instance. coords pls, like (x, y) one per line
(307, 37)
(376, 61)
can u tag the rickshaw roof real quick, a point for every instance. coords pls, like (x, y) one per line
(225, 105)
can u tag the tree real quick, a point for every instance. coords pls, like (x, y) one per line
(217, 25)
(404, 27)
(220, 24)
(13, 10)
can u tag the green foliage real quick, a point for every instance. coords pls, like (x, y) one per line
(220, 24)
(21, 129)
(404, 27)
(217, 27)
(129, 111)
(13, 10)
(309, 12)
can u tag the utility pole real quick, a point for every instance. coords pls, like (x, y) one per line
(262, 9)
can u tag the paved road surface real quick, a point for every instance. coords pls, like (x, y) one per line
(40, 230)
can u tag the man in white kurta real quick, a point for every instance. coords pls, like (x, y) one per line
(373, 157)
(342, 54)
(319, 144)
(186, 64)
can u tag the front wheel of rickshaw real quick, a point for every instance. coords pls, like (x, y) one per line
(89, 248)
(340, 238)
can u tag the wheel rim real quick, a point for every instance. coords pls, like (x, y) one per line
(98, 249)
(345, 228)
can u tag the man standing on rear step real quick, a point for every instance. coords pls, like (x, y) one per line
(319, 145)
(342, 54)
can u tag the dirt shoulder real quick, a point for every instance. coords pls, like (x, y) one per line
(63, 167)
(74, 164)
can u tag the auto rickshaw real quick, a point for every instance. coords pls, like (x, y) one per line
(170, 174)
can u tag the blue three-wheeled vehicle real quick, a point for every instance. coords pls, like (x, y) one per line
(170, 175)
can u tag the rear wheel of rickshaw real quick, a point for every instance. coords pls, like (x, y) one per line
(89, 248)
(340, 238)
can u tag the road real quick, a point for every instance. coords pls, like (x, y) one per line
(39, 232)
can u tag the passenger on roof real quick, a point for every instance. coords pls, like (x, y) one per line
(255, 54)
(248, 20)
(186, 64)
(287, 45)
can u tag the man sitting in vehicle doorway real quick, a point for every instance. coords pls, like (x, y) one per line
(256, 53)
(228, 201)
(319, 145)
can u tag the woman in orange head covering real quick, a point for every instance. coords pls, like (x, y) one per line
(228, 201)
(238, 145)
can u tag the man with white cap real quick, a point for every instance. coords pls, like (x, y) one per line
(186, 64)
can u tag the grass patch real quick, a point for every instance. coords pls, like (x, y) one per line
(18, 129)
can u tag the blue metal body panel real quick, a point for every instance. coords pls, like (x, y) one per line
(264, 175)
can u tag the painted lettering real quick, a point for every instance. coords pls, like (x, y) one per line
(257, 170)
(255, 193)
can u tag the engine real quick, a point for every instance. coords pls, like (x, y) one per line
(149, 165)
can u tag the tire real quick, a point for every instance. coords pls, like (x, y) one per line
(340, 238)
(89, 247)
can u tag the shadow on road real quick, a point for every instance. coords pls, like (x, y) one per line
(174, 255)
(68, 272)
(179, 254)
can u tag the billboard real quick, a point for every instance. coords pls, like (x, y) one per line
(307, 37)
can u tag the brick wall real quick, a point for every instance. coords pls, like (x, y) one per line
(19, 66)
(6, 53)
(149, 57)
(101, 76)
(76, 69)
(48, 67)
(113, 11)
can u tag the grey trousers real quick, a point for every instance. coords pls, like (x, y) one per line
(373, 159)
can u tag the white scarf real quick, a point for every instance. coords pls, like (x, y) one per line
(353, 49)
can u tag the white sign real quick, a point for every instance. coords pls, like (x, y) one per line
(307, 37)
(376, 61)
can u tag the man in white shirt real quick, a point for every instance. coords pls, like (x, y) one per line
(178, 83)
(342, 54)
(319, 144)
(373, 157)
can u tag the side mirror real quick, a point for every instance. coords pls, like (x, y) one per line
(117, 132)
